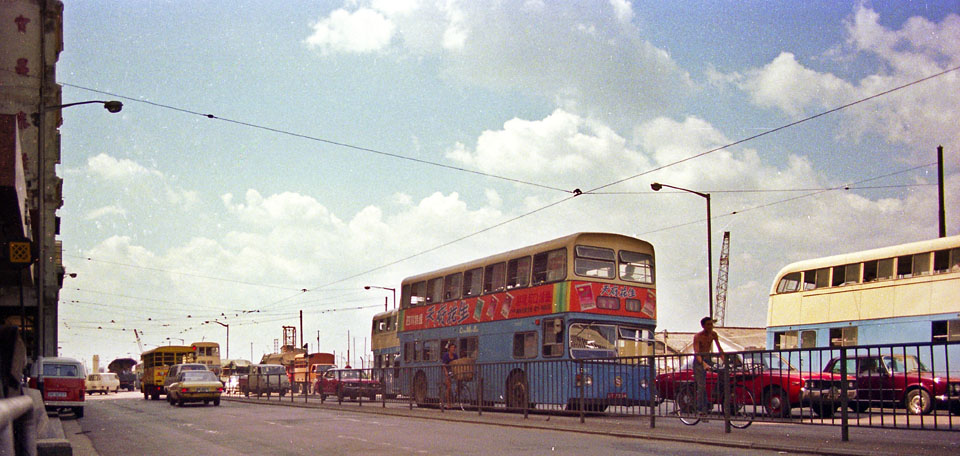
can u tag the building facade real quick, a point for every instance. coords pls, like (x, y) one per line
(31, 38)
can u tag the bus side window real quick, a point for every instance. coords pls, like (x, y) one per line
(494, 279)
(549, 266)
(472, 282)
(525, 345)
(552, 337)
(469, 347)
(789, 283)
(431, 350)
(451, 286)
(518, 273)
(435, 290)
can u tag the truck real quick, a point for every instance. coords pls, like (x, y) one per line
(307, 368)
(123, 367)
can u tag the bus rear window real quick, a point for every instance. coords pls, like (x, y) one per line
(636, 267)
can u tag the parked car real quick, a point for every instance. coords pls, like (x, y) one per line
(266, 379)
(175, 370)
(347, 383)
(195, 386)
(775, 384)
(899, 381)
(102, 383)
(61, 383)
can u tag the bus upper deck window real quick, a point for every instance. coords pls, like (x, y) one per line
(789, 283)
(549, 266)
(905, 266)
(434, 290)
(921, 263)
(451, 286)
(594, 262)
(636, 267)
(518, 272)
(472, 282)
(494, 278)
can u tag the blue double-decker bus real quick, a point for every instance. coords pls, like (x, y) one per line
(567, 322)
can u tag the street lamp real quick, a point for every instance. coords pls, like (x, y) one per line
(38, 118)
(169, 341)
(656, 186)
(228, 334)
(394, 290)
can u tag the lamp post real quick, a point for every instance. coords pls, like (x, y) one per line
(394, 290)
(228, 334)
(171, 339)
(656, 186)
(38, 118)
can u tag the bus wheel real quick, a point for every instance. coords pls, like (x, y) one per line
(420, 388)
(517, 392)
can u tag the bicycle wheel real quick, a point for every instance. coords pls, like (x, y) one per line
(686, 400)
(743, 408)
(463, 395)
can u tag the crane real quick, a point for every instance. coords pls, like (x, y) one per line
(721, 308)
(139, 344)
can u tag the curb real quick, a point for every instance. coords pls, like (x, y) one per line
(694, 438)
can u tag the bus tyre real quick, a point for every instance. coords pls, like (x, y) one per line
(216, 402)
(777, 403)
(420, 388)
(517, 391)
(917, 402)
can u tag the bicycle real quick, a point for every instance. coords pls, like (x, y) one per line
(462, 397)
(742, 404)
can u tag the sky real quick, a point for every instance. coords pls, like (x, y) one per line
(277, 157)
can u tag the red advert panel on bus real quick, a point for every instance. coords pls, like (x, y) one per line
(600, 298)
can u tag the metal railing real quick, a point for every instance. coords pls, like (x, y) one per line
(18, 427)
(899, 386)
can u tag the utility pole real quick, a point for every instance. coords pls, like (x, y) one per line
(943, 214)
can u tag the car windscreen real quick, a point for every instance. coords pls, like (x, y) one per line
(902, 364)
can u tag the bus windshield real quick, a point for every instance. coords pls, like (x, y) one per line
(589, 340)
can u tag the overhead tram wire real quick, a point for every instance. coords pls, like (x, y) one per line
(787, 200)
(774, 130)
(322, 140)
(575, 193)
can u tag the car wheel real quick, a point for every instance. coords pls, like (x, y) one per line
(216, 402)
(860, 406)
(918, 402)
(323, 397)
(206, 402)
(180, 402)
(955, 408)
(777, 403)
(78, 412)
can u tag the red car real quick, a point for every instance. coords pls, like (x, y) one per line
(347, 383)
(774, 383)
(900, 381)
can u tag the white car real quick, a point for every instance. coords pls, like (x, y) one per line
(102, 383)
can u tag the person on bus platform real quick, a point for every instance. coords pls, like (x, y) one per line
(445, 358)
(703, 343)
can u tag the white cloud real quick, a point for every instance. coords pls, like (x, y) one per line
(563, 147)
(105, 211)
(787, 85)
(110, 168)
(918, 116)
(362, 31)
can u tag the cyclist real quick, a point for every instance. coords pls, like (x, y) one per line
(703, 343)
(447, 357)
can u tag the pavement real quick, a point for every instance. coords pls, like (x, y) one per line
(794, 437)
